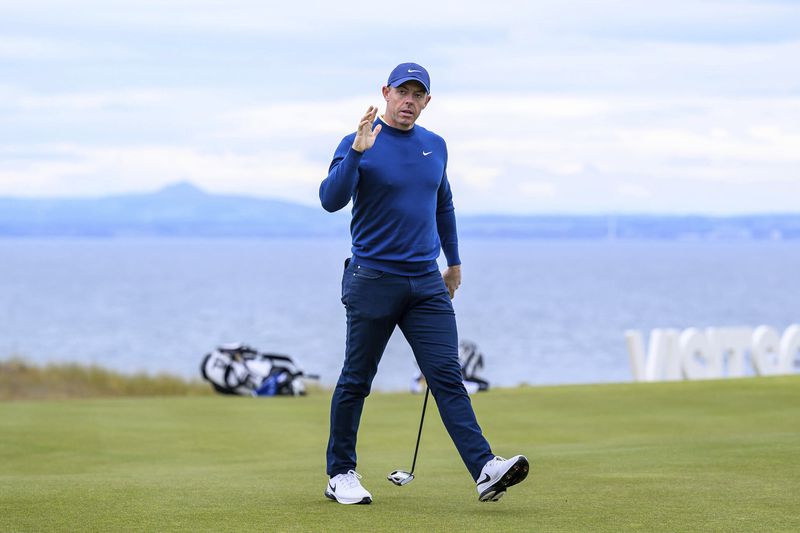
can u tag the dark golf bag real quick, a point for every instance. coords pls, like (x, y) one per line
(471, 360)
(241, 370)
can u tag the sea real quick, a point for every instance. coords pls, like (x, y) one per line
(541, 312)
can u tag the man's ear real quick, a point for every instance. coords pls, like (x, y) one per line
(385, 91)
(427, 99)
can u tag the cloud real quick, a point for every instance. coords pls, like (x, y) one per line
(34, 48)
(523, 154)
(571, 105)
(300, 18)
(537, 189)
(294, 119)
(79, 171)
(634, 190)
(93, 101)
(685, 144)
(681, 20)
(523, 107)
(476, 178)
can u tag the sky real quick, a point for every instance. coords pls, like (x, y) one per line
(568, 107)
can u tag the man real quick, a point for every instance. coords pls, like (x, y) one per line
(395, 173)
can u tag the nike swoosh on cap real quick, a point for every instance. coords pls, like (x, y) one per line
(414, 70)
(427, 153)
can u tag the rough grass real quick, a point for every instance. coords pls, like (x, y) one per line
(24, 381)
(699, 456)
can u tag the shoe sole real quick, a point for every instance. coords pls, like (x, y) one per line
(362, 501)
(493, 496)
(516, 473)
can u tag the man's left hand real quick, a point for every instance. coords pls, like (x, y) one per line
(452, 279)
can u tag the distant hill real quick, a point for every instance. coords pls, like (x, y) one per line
(183, 210)
(177, 210)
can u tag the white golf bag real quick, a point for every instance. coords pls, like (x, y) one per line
(471, 360)
(242, 370)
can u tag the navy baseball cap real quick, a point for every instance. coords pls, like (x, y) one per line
(409, 71)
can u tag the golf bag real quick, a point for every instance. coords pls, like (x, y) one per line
(241, 370)
(471, 360)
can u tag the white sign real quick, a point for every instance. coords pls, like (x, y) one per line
(713, 353)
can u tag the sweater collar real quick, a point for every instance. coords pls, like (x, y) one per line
(395, 131)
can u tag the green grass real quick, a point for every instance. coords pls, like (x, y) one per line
(20, 380)
(699, 456)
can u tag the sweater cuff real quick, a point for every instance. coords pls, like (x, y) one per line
(451, 254)
(352, 152)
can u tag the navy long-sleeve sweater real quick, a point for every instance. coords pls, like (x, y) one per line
(402, 204)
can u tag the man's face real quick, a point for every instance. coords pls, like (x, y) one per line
(404, 104)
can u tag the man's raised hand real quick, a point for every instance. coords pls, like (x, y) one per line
(365, 135)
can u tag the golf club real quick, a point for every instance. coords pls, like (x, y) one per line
(401, 477)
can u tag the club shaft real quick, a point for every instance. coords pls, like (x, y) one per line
(419, 433)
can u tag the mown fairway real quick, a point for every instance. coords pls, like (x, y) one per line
(702, 456)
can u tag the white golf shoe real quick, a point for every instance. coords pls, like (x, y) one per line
(499, 474)
(347, 489)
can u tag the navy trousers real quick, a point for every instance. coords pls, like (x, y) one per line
(377, 302)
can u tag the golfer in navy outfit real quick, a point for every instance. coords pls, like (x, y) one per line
(395, 172)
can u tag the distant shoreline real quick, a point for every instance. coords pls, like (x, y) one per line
(183, 210)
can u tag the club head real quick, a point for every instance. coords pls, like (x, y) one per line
(400, 477)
